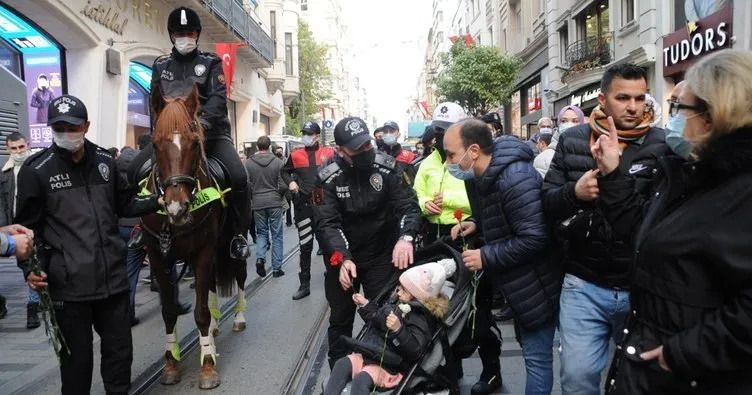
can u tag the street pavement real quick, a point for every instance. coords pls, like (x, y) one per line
(28, 364)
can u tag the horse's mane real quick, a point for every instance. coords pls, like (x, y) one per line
(174, 117)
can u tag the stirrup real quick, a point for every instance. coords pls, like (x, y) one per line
(244, 251)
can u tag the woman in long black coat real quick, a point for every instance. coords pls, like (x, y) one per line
(690, 331)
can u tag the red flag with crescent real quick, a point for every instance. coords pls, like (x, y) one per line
(227, 52)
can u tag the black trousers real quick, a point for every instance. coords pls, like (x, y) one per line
(373, 276)
(306, 232)
(288, 213)
(223, 150)
(111, 319)
(489, 340)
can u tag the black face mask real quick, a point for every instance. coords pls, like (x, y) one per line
(381, 145)
(439, 145)
(363, 160)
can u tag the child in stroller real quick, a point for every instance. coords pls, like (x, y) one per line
(400, 331)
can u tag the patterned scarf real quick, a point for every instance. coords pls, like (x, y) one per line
(599, 126)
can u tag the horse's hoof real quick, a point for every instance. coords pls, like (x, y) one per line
(171, 372)
(238, 327)
(209, 376)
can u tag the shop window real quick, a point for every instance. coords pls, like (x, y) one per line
(628, 11)
(39, 63)
(288, 54)
(515, 114)
(534, 102)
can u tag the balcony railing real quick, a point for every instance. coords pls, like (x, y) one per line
(593, 51)
(237, 18)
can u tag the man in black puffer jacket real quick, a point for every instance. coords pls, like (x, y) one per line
(595, 294)
(508, 210)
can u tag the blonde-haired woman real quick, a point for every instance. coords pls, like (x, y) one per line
(690, 331)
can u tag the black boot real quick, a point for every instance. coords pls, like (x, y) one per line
(32, 316)
(486, 386)
(239, 248)
(261, 267)
(136, 241)
(305, 286)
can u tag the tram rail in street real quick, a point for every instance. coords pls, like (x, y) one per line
(189, 343)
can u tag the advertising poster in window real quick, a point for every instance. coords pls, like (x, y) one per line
(43, 84)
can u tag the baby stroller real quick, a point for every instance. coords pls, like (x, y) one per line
(428, 374)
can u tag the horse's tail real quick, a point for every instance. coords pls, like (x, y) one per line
(225, 275)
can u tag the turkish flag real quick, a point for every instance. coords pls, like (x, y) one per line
(424, 109)
(227, 52)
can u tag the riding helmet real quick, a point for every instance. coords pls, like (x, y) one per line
(183, 18)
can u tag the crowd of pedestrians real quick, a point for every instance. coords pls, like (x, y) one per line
(608, 227)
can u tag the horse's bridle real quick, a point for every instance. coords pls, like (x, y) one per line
(178, 179)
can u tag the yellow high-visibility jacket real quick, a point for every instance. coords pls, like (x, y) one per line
(432, 178)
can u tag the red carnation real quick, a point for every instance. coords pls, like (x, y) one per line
(336, 258)
(458, 214)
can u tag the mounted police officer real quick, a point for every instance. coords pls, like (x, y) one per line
(363, 207)
(175, 75)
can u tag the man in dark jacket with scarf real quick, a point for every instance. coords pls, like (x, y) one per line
(595, 295)
(509, 213)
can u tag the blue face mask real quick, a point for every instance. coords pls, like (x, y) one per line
(457, 172)
(390, 139)
(675, 136)
(307, 140)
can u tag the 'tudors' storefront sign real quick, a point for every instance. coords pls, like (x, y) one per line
(685, 46)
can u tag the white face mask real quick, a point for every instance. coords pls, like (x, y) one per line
(185, 45)
(19, 158)
(69, 141)
(565, 126)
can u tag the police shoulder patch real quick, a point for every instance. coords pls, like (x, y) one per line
(329, 171)
(385, 161)
(104, 152)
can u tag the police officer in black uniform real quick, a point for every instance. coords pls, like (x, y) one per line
(174, 75)
(365, 212)
(71, 195)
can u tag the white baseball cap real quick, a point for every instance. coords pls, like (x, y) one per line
(447, 114)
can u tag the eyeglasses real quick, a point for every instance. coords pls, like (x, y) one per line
(674, 107)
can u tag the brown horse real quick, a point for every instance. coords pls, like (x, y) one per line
(192, 229)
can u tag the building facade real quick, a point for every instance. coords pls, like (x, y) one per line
(522, 33)
(102, 51)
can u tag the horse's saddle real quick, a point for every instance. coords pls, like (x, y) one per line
(217, 171)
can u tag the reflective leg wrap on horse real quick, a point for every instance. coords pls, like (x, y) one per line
(172, 345)
(208, 349)
(239, 324)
